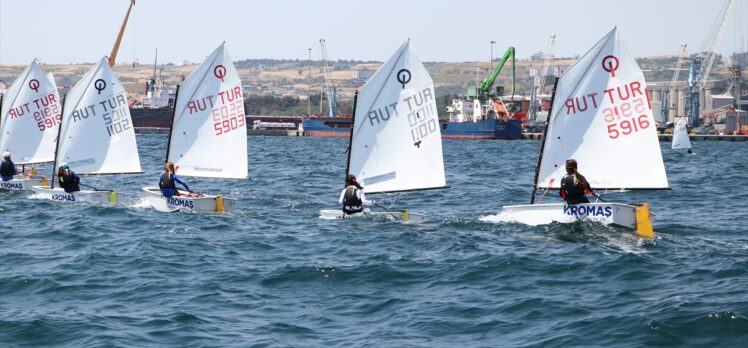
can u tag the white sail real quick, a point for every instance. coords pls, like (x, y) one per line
(209, 133)
(602, 118)
(680, 135)
(97, 134)
(30, 117)
(396, 144)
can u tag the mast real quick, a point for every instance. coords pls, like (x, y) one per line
(542, 145)
(171, 124)
(155, 63)
(57, 146)
(2, 96)
(350, 138)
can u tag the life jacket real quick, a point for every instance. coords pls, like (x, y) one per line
(6, 168)
(167, 182)
(350, 198)
(68, 182)
(573, 190)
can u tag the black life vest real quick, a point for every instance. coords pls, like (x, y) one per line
(6, 168)
(68, 182)
(351, 199)
(573, 192)
(167, 182)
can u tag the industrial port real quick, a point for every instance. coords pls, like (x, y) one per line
(315, 96)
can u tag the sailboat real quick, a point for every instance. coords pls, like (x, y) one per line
(395, 143)
(601, 117)
(208, 135)
(96, 135)
(30, 114)
(680, 135)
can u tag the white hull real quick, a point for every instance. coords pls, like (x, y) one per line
(22, 183)
(59, 195)
(185, 202)
(334, 214)
(542, 214)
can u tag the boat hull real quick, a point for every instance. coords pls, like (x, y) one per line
(337, 214)
(21, 183)
(619, 214)
(57, 194)
(151, 117)
(484, 129)
(203, 203)
(328, 127)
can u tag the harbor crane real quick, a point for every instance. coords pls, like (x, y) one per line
(700, 67)
(329, 88)
(537, 88)
(115, 49)
(484, 90)
(668, 95)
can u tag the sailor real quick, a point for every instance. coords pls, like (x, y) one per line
(574, 186)
(7, 168)
(353, 198)
(168, 180)
(67, 178)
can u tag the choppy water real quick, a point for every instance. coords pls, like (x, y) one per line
(273, 274)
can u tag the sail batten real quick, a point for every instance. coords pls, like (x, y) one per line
(97, 135)
(209, 131)
(30, 114)
(396, 141)
(602, 118)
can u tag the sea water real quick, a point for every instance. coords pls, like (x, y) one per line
(273, 274)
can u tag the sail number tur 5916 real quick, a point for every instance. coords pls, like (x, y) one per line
(626, 118)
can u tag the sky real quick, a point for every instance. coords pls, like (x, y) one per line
(80, 31)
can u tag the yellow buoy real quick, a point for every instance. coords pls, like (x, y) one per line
(219, 204)
(112, 197)
(644, 221)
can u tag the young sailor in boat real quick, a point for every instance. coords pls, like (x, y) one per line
(168, 180)
(7, 168)
(574, 186)
(353, 198)
(67, 178)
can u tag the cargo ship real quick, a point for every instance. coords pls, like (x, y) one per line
(326, 126)
(468, 119)
(493, 118)
(484, 113)
(156, 109)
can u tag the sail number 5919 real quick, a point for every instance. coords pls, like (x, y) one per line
(626, 118)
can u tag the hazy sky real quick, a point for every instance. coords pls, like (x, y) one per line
(76, 31)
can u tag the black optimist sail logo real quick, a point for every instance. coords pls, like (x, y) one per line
(610, 64)
(99, 85)
(403, 76)
(220, 72)
(34, 84)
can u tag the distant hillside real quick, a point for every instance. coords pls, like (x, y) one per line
(288, 81)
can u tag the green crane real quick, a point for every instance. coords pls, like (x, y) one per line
(487, 84)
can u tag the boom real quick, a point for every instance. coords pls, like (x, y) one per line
(329, 88)
(487, 84)
(668, 95)
(701, 67)
(538, 89)
(115, 49)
